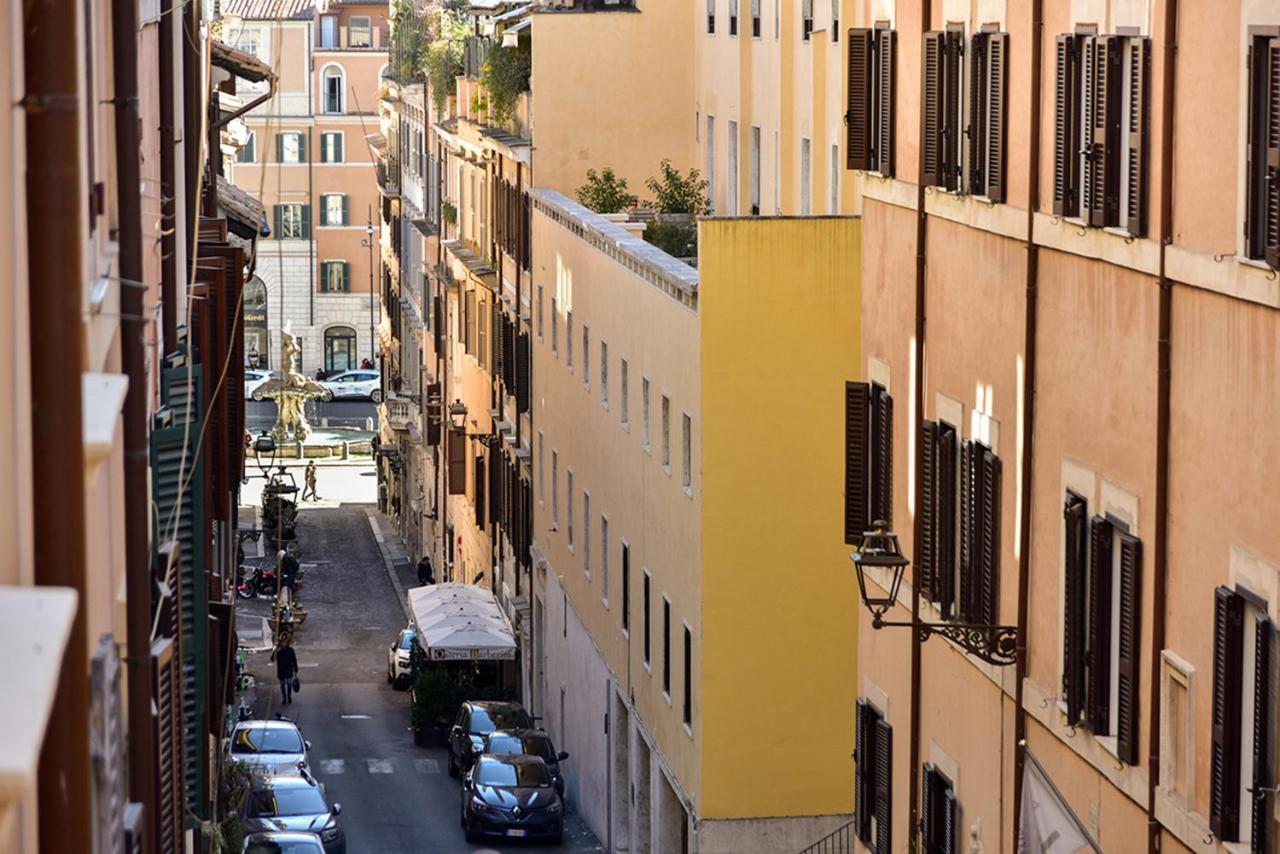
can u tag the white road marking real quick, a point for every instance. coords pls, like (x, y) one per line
(355, 717)
(380, 766)
(427, 766)
(333, 766)
(310, 664)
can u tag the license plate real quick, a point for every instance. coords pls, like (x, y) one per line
(515, 833)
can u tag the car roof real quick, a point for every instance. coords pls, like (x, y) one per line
(284, 781)
(282, 836)
(265, 724)
(521, 734)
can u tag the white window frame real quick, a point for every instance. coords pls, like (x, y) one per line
(286, 232)
(326, 139)
(542, 472)
(351, 30)
(325, 77)
(325, 200)
(299, 145)
(327, 285)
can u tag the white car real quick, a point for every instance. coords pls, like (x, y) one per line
(347, 385)
(398, 657)
(271, 747)
(253, 379)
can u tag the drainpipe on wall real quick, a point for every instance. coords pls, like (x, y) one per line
(316, 213)
(168, 185)
(1159, 582)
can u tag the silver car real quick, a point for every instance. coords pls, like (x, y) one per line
(282, 842)
(399, 658)
(270, 747)
(296, 804)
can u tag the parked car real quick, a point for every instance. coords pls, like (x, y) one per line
(253, 378)
(399, 656)
(475, 720)
(296, 804)
(282, 842)
(513, 797)
(270, 747)
(528, 742)
(359, 384)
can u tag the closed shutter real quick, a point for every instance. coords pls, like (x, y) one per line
(976, 133)
(339, 154)
(524, 367)
(886, 84)
(439, 323)
(324, 275)
(1066, 125)
(882, 456)
(1262, 812)
(346, 276)
(1075, 552)
(989, 609)
(1137, 59)
(1102, 79)
(279, 148)
(1271, 192)
(433, 420)
(884, 787)
(997, 66)
(1098, 634)
(497, 491)
(931, 161)
(1224, 760)
(277, 222)
(482, 517)
(864, 771)
(1128, 647)
(861, 94)
(951, 127)
(457, 447)
(926, 559)
(166, 822)
(306, 222)
(346, 210)
(304, 144)
(857, 398)
(945, 576)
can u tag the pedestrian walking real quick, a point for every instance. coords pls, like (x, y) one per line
(288, 572)
(310, 482)
(286, 669)
(425, 575)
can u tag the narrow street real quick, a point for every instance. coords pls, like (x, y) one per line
(395, 797)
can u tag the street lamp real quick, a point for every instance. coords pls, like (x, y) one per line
(878, 548)
(265, 444)
(458, 421)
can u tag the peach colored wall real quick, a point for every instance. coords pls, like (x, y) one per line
(362, 70)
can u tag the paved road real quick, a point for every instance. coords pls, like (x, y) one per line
(341, 413)
(395, 797)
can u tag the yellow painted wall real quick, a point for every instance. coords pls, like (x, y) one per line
(780, 309)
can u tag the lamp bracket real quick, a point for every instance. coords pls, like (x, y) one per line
(996, 645)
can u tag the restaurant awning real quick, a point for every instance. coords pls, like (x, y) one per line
(460, 622)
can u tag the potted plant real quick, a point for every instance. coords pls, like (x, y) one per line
(433, 702)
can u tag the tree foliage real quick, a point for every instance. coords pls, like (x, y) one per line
(505, 75)
(605, 192)
(675, 193)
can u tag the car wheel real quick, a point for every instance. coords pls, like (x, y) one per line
(376, 395)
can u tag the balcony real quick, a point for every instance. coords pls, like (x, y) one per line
(401, 413)
(388, 178)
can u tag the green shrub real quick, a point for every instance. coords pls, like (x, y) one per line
(444, 64)
(505, 75)
(677, 239)
(676, 193)
(605, 192)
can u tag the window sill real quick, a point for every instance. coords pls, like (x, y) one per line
(688, 730)
(666, 469)
(688, 490)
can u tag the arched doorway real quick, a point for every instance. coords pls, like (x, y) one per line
(257, 339)
(340, 349)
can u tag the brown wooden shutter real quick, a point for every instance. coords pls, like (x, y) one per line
(1128, 646)
(989, 611)
(968, 537)
(1074, 610)
(524, 372)
(457, 448)
(1066, 125)
(1101, 178)
(166, 695)
(884, 787)
(857, 398)
(1271, 192)
(1098, 634)
(928, 804)
(482, 517)
(976, 132)
(886, 85)
(926, 560)
(1137, 58)
(951, 127)
(1262, 812)
(931, 157)
(864, 760)
(950, 822)
(996, 111)
(1224, 760)
(433, 421)
(882, 456)
(946, 519)
(857, 117)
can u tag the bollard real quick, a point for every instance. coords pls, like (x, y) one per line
(346, 450)
(368, 425)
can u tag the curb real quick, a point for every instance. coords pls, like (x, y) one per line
(390, 567)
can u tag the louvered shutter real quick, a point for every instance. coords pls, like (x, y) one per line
(1101, 178)
(951, 127)
(524, 367)
(997, 65)
(346, 210)
(931, 159)
(1262, 808)
(457, 448)
(304, 146)
(306, 222)
(860, 100)
(926, 560)
(324, 275)
(976, 133)
(950, 822)
(886, 85)
(1074, 611)
(279, 148)
(864, 770)
(989, 610)
(106, 748)
(882, 456)
(276, 220)
(1224, 760)
(968, 534)
(339, 154)
(1137, 59)
(928, 801)
(482, 483)
(346, 276)
(857, 398)
(884, 787)
(497, 488)
(1271, 191)
(1066, 125)
(166, 822)
(1098, 634)
(1128, 647)
(945, 576)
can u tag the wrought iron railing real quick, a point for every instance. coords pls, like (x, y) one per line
(839, 841)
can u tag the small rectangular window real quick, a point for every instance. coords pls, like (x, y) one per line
(626, 587)
(542, 472)
(604, 374)
(540, 312)
(666, 647)
(335, 208)
(555, 328)
(731, 180)
(360, 32)
(555, 488)
(644, 412)
(688, 677)
(806, 178)
(604, 558)
(711, 163)
(586, 533)
(331, 147)
(733, 17)
(686, 452)
(666, 433)
(646, 602)
(586, 355)
(623, 392)
(569, 507)
(568, 339)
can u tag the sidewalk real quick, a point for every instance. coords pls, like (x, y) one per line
(402, 569)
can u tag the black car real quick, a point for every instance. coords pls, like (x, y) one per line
(294, 803)
(475, 720)
(512, 797)
(528, 742)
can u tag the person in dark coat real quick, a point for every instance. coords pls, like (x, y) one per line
(288, 571)
(425, 575)
(286, 669)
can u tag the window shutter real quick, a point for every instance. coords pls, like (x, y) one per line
(884, 787)
(346, 277)
(277, 220)
(886, 85)
(338, 154)
(524, 378)
(1224, 761)
(989, 611)
(497, 494)
(482, 516)
(928, 801)
(997, 71)
(926, 560)
(306, 222)
(1128, 648)
(1098, 634)
(346, 210)
(457, 443)
(864, 759)
(167, 823)
(882, 460)
(857, 118)
(945, 574)
(950, 822)
(968, 538)
(951, 129)
(324, 275)
(279, 148)
(932, 157)
(1137, 58)
(304, 144)
(1066, 125)
(976, 133)
(1262, 812)
(856, 403)
(1073, 606)
(1271, 192)
(433, 422)
(1100, 201)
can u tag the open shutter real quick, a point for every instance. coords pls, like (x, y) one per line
(931, 164)
(339, 154)
(884, 787)
(864, 771)
(276, 220)
(523, 373)
(1066, 125)
(989, 610)
(928, 802)
(279, 148)
(997, 65)
(950, 822)
(1098, 635)
(976, 133)
(1262, 812)
(346, 210)
(945, 574)
(324, 275)
(1128, 646)
(1137, 59)
(882, 456)
(346, 277)
(1224, 760)
(166, 822)
(482, 483)
(926, 560)
(1271, 192)
(457, 447)
(304, 147)
(856, 403)
(433, 421)
(886, 84)
(951, 128)
(857, 117)
(306, 222)
(1102, 78)
(1074, 611)
(968, 539)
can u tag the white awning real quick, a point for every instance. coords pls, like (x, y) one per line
(460, 622)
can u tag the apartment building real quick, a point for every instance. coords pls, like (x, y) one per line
(307, 160)
(1080, 364)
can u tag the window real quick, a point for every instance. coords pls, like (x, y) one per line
(731, 180)
(1262, 150)
(644, 412)
(293, 221)
(482, 333)
(331, 147)
(1177, 756)
(248, 153)
(540, 312)
(568, 338)
(755, 19)
(755, 170)
(777, 174)
(806, 19)
(569, 506)
(555, 488)
(939, 813)
(555, 328)
(835, 20)
(622, 392)
(686, 452)
(688, 677)
(359, 31)
(939, 558)
(626, 588)
(666, 647)
(289, 148)
(868, 463)
(332, 89)
(335, 277)
(1100, 119)
(806, 178)
(340, 349)
(1241, 773)
(586, 533)
(604, 558)
(943, 111)
(645, 601)
(711, 17)
(329, 31)
(586, 355)
(604, 374)
(666, 433)
(872, 84)
(733, 17)
(777, 19)
(711, 163)
(833, 206)
(333, 209)
(469, 323)
(873, 756)
(542, 472)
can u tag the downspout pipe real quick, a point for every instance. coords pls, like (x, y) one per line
(1030, 324)
(142, 761)
(168, 183)
(1160, 568)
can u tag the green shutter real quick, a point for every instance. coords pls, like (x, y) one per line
(346, 276)
(279, 148)
(304, 144)
(276, 218)
(337, 148)
(324, 275)
(306, 222)
(346, 219)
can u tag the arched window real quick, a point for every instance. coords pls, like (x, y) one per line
(340, 349)
(333, 89)
(257, 338)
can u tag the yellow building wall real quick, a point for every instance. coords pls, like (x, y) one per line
(780, 307)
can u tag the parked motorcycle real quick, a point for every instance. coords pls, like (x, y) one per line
(260, 581)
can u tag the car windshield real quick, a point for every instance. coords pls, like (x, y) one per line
(266, 740)
(283, 846)
(485, 721)
(509, 776)
(538, 745)
(502, 745)
(406, 640)
(282, 801)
